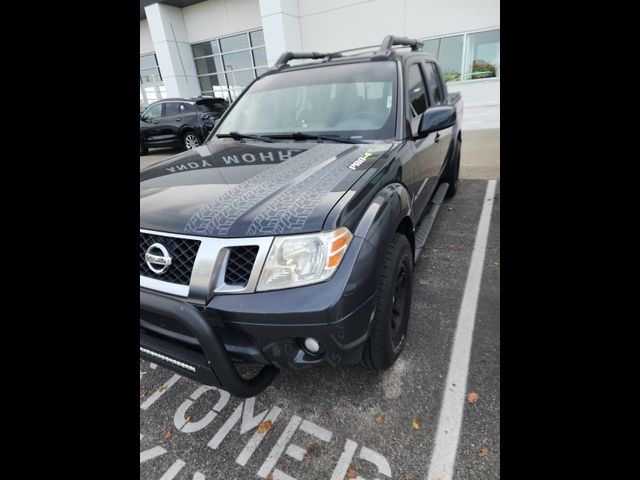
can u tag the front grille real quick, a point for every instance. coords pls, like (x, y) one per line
(183, 254)
(240, 264)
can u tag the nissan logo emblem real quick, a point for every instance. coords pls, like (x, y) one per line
(157, 257)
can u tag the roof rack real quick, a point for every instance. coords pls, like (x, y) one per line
(384, 52)
(391, 40)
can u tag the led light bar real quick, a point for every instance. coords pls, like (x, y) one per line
(168, 359)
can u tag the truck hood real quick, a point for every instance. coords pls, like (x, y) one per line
(231, 189)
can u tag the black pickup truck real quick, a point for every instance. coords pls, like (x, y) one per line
(289, 237)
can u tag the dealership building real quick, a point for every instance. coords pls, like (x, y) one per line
(217, 47)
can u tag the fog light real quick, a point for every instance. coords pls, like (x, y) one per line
(312, 345)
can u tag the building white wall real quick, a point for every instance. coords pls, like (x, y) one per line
(215, 18)
(146, 43)
(361, 23)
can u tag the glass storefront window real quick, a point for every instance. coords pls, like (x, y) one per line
(483, 55)
(257, 38)
(208, 65)
(450, 57)
(236, 42)
(237, 61)
(481, 52)
(224, 74)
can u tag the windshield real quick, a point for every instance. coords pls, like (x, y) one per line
(355, 100)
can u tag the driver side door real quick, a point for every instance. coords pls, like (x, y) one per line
(150, 122)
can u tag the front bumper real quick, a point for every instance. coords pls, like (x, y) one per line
(211, 366)
(263, 327)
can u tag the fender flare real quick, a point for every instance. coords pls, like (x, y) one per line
(384, 214)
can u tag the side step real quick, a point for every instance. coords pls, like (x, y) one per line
(422, 233)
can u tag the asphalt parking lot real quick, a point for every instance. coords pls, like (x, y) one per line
(435, 414)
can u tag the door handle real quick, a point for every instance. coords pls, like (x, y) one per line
(178, 119)
(156, 121)
(437, 140)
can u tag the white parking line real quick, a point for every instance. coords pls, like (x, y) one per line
(174, 469)
(451, 411)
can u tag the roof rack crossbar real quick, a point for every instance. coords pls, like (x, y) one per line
(287, 56)
(391, 40)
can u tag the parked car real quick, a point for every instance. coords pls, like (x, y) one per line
(179, 122)
(289, 239)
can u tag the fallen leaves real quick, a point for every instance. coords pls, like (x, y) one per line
(415, 424)
(484, 453)
(270, 476)
(264, 426)
(331, 414)
(352, 473)
(378, 419)
(472, 397)
(168, 435)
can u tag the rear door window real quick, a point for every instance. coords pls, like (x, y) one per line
(171, 108)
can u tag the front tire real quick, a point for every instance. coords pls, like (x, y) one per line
(143, 148)
(191, 140)
(391, 318)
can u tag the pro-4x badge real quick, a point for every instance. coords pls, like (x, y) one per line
(360, 160)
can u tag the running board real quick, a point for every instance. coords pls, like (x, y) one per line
(427, 222)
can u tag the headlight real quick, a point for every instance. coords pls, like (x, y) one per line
(297, 260)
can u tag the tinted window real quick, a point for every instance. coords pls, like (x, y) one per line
(433, 83)
(417, 94)
(186, 108)
(171, 108)
(153, 111)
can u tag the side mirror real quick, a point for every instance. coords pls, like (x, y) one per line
(436, 118)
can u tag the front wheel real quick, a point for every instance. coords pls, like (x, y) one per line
(143, 148)
(391, 318)
(191, 140)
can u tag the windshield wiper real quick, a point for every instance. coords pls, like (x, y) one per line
(313, 136)
(240, 136)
